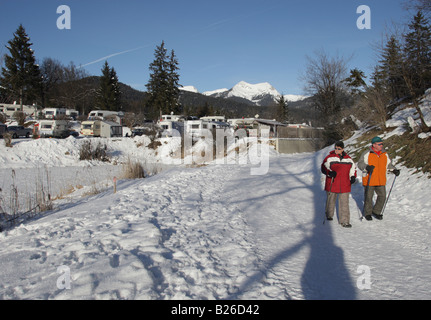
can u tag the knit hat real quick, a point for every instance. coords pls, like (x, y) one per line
(376, 139)
(339, 144)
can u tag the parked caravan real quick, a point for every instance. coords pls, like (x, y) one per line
(241, 123)
(10, 109)
(214, 119)
(171, 128)
(170, 117)
(104, 115)
(218, 125)
(53, 129)
(196, 127)
(72, 114)
(110, 129)
(98, 128)
(90, 128)
(53, 113)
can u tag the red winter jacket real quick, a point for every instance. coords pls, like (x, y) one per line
(345, 168)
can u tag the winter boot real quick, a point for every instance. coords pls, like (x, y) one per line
(378, 216)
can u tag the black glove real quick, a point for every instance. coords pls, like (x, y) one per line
(352, 180)
(332, 174)
(370, 169)
(396, 172)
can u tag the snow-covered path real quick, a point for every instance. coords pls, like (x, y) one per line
(217, 232)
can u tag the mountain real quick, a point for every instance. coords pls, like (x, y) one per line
(238, 104)
(189, 89)
(261, 94)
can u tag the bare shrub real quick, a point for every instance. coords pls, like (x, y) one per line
(90, 152)
(7, 139)
(133, 170)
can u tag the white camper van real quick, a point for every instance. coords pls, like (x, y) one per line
(72, 113)
(53, 129)
(103, 114)
(197, 127)
(52, 113)
(171, 128)
(214, 118)
(170, 117)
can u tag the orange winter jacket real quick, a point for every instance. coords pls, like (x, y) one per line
(381, 163)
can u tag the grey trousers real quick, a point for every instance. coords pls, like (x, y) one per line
(343, 206)
(380, 201)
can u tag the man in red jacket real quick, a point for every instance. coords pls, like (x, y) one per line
(340, 171)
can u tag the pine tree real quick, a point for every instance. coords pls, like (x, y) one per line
(418, 53)
(390, 69)
(21, 77)
(282, 109)
(174, 85)
(108, 95)
(163, 84)
(356, 81)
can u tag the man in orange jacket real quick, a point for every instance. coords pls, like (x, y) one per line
(375, 162)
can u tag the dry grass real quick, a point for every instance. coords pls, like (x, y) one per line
(413, 151)
(133, 170)
(410, 151)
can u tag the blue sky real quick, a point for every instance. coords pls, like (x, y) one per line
(217, 43)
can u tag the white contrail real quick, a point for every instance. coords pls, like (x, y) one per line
(110, 56)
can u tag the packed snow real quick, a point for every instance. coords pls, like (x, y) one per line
(205, 229)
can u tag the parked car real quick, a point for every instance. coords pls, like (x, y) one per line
(138, 132)
(73, 133)
(19, 131)
(3, 129)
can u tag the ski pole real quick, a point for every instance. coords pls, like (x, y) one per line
(389, 194)
(326, 208)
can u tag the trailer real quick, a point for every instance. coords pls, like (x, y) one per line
(109, 129)
(99, 128)
(171, 128)
(197, 127)
(90, 128)
(53, 113)
(53, 129)
(105, 115)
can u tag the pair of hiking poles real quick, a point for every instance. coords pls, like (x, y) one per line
(366, 196)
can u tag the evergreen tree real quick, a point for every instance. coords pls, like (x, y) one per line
(163, 84)
(108, 95)
(418, 53)
(282, 109)
(356, 81)
(21, 77)
(391, 70)
(173, 87)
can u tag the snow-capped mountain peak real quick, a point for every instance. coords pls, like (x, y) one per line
(260, 94)
(189, 89)
(253, 92)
